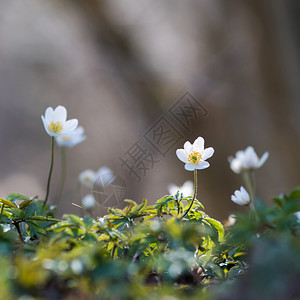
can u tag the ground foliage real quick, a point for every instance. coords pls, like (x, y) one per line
(149, 252)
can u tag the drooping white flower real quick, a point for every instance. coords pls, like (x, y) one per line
(74, 138)
(194, 155)
(241, 197)
(247, 160)
(55, 122)
(87, 178)
(88, 202)
(187, 189)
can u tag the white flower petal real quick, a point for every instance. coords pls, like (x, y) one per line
(236, 166)
(238, 194)
(45, 124)
(60, 114)
(173, 189)
(87, 178)
(245, 195)
(198, 145)
(202, 165)
(182, 155)
(49, 114)
(250, 158)
(80, 130)
(88, 202)
(190, 167)
(104, 176)
(69, 126)
(263, 159)
(236, 200)
(187, 146)
(207, 153)
(187, 188)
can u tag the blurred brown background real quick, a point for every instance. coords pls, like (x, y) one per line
(119, 65)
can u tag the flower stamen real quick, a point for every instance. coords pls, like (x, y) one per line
(194, 158)
(55, 127)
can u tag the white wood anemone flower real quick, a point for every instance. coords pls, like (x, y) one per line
(194, 155)
(241, 197)
(87, 178)
(74, 138)
(247, 160)
(55, 122)
(187, 189)
(88, 202)
(104, 176)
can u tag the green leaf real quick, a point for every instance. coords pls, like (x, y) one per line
(30, 210)
(17, 214)
(74, 220)
(16, 196)
(41, 218)
(295, 193)
(25, 203)
(233, 272)
(217, 225)
(138, 208)
(163, 201)
(8, 203)
(35, 229)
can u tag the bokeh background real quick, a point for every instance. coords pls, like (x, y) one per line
(119, 65)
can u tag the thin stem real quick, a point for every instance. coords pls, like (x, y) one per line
(2, 207)
(113, 251)
(252, 181)
(195, 194)
(249, 179)
(62, 176)
(50, 171)
(178, 206)
(19, 231)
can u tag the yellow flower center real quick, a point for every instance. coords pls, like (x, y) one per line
(55, 127)
(194, 158)
(66, 138)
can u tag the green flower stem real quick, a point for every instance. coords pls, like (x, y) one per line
(62, 176)
(50, 171)
(249, 179)
(195, 194)
(253, 185)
